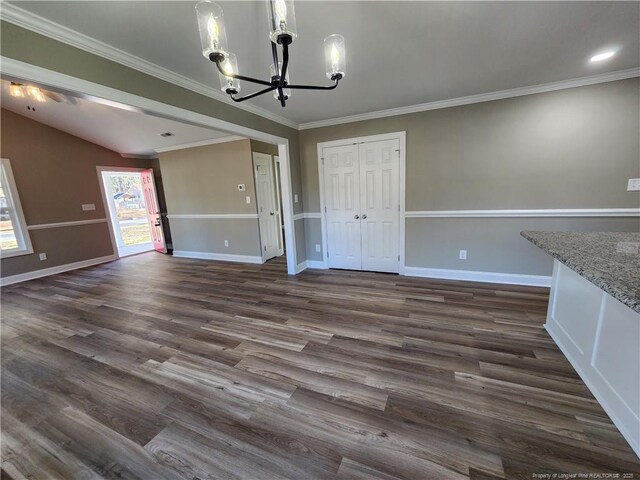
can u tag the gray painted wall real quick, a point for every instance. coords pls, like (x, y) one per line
(51, 194)
(573, 148)
(204, 180)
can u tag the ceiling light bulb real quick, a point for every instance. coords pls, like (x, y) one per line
(280, 10)
(602, 56)
(335, 58)
(16, 90)
(214, 32)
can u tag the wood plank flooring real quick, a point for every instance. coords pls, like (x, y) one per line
(155, 367)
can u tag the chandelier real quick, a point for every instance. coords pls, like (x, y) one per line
(282, 23)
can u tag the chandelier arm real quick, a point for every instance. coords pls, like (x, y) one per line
(242, 77)
(252, 95)
(283, 73)
(313, 87)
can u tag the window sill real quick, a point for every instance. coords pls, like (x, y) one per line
(15, 253)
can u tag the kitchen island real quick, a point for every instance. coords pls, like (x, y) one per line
(594, 316)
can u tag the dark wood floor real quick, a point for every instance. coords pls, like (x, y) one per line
(154, 367)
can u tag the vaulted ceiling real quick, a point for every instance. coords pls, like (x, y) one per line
(398, 53)
(125, 131)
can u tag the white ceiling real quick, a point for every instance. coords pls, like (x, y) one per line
(398, 53)
(124, 131)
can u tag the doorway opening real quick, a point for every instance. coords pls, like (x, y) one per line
(80, 88)
(130, 198)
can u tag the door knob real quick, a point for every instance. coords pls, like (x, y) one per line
(356, 217)
(364, 217)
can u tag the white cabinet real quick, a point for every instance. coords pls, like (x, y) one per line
(600, 336)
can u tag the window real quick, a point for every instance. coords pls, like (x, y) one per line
(14, 237)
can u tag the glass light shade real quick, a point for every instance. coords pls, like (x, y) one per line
(16, 90)
(211, 24)
(274, 72)
(335, 56)
(282, 19)
(229, 65)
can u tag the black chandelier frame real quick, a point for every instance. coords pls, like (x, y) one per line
(277, 82)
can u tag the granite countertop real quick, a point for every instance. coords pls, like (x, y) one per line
(609, 260)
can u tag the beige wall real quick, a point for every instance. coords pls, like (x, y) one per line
(573, 148)
(55, 174)
(204, 180)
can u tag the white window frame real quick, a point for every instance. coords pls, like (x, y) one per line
(15, 213)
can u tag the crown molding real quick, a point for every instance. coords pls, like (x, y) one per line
(139, 156)
(25, 19)
(182, 146)
(483, 97)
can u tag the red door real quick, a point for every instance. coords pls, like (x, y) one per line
(153, 211)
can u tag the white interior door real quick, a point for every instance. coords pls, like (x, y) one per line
(266, 202)
(362, 205)
(342, 206)
(380, 205)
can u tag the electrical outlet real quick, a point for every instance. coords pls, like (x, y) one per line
(43, 256)
(295, 198)
(633, 184)
(241, 187)
(248, 199)
(463, 255)
(317, 247)
(226, 243)
(88, 207)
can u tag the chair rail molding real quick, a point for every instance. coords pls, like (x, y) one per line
(74, 223)
(554, 212)
(193, 216)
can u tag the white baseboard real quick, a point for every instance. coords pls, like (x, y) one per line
(225, 257)
(320, 264)
(474, 276)
(317, 264)
(45, 272)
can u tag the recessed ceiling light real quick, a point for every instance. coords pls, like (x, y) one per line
(602, 56)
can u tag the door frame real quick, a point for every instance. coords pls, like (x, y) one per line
(277, 180)
(59, 82)
(402, 140)
(106, 203)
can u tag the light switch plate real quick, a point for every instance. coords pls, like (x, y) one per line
(295, 198)
(633, 185)
(248, 199)
(463, 254)
(317, 247)
(88, 206)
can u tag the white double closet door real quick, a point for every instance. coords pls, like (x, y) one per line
(362, 205)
